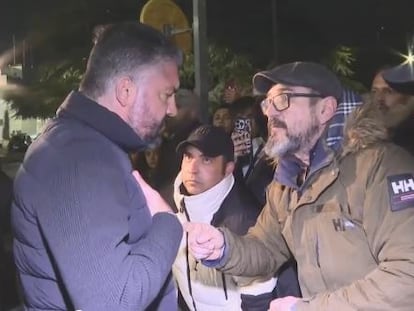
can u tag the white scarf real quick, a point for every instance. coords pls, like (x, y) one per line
(202, 207)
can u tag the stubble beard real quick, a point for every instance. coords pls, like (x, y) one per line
(144, 124)
(398, 113)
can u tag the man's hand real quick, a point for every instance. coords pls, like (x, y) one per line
(204, 241)
(155, 202)
(284, 304)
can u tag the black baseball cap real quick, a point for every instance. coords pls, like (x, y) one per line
(211, 140)
(400, 78)
(306, 74)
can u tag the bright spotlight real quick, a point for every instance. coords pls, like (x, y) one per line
(409, 58)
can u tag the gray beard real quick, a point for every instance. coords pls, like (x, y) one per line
(397, 114)
(275, 150)
(292, 144)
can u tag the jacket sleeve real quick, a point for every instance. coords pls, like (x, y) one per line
(108, 251)
(261, 251)
(256, 293)
(388, 222)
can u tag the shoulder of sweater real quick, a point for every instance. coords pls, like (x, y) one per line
(51, 157)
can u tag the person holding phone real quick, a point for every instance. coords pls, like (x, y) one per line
(249, 138)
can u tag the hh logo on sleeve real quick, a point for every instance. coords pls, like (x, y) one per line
(401, 191)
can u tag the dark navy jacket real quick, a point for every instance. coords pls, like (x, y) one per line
(84, 238)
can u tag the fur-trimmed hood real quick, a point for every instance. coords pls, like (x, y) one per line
(364, 127)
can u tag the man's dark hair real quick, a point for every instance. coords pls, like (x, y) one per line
(124, 48)
(221, 106)
(242, 105)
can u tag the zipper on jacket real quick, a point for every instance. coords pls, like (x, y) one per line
(317, 252)
(190, 289)
(223, 277)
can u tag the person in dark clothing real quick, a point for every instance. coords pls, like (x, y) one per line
(254, 170)
(148, 164)
(89, 233)
(8, 288)
(205, 190)
(176, 129)
(6, 189)
(399, 115)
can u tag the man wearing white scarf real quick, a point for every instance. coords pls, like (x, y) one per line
(205, 191)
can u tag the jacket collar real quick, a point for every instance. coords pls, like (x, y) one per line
(289, 168)
(79, 107)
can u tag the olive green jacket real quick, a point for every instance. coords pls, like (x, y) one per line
(354, 248)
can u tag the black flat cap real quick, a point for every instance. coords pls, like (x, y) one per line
(400, 78)
(211, 140)
(306, 74)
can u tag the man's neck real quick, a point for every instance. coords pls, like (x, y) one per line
(304, 155)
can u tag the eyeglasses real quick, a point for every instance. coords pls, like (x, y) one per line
(282, 101)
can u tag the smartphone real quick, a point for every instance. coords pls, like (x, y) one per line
(242, 140)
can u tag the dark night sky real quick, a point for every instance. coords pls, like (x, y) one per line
(306, 29)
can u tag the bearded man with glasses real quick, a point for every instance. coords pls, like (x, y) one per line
(342, 206)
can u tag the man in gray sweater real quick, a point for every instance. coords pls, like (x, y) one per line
(87, 236)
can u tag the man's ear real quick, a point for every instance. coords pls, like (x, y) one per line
(229, 168)
(328, 109)
(125, 91)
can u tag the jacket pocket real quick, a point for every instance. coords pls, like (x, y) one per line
(339, 243)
